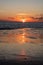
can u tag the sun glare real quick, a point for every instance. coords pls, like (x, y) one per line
(23, 20)
(22, 17)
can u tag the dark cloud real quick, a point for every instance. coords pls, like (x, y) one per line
(32, 17)
(39, 18)
(36, 17)
(11, 18)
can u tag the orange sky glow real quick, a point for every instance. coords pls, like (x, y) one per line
(21, 10)
(22, 17)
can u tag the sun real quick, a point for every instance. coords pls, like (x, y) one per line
(21, 17)
(23, 20)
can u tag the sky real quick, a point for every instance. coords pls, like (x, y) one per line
(31, 10)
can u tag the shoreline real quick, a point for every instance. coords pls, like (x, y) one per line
(20, 28)
(21, 62)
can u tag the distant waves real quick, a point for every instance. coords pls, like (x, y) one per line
(16, 25)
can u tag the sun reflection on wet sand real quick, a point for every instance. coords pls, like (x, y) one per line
(21, 36)
(22, 43)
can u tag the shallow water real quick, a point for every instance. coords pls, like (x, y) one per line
(25, 43)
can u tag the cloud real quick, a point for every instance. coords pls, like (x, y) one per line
(11, 18)
(39, 18)
(31, 17)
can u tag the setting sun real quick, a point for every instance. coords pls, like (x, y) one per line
(23, 20)
(21, 17)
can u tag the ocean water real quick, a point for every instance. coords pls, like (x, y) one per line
(22, 44)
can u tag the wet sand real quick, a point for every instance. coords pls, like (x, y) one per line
(16, 62)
